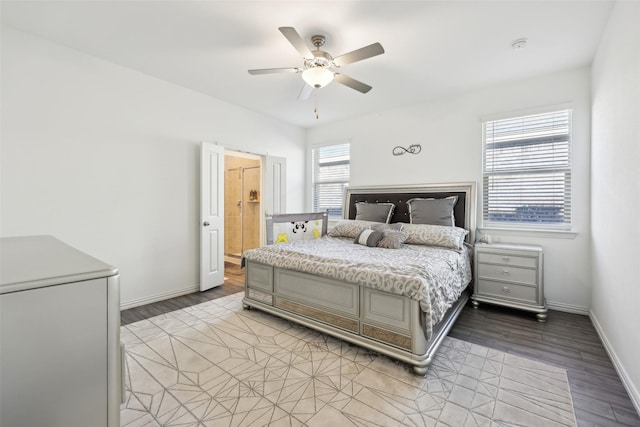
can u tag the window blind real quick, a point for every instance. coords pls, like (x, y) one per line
(330, 176)
(527, 169)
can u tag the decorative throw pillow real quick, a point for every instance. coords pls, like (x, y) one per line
(435, 235)
(432, 211)
(378, 212)
(384, 227)
(369, 237)
(392, 239)
(349, 228)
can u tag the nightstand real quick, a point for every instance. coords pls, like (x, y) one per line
(510, 275)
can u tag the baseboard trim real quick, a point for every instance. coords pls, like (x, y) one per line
(159, 297)
(569, 308)
(622, 373)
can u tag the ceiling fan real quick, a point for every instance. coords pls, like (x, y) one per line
(318, 69)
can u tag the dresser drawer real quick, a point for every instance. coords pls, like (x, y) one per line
(507, 290)
(507, 259)
(507, 273)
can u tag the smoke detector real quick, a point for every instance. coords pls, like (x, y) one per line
(519, 44)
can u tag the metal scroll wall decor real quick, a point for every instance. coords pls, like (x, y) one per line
(412, 149)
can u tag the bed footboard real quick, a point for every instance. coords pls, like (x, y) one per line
(387, 323)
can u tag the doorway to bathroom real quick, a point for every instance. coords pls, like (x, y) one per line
(242, 201)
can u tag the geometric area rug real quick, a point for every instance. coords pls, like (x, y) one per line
(215, 364)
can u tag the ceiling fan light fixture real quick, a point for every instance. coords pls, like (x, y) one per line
(317, 77)
(318, 64)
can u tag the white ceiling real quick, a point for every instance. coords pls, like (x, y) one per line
(433, 48)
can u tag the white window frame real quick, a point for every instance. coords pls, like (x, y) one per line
(528, 226)
(312, 178)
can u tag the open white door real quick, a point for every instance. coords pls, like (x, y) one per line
(211, 216)
(275, 185)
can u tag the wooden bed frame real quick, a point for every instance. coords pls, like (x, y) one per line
(387, 323)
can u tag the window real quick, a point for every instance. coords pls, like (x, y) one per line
(330, 176)
(527, 171)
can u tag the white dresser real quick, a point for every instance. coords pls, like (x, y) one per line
(510, 275)
(60, 362)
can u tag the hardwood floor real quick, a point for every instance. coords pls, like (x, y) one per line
(566, 340)
(233, 283)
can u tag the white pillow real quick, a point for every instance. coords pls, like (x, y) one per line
(435, 235)
(349, 228)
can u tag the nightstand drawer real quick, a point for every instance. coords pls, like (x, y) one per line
(510, 275)
(507, 290)
(506, 259)
(507, 273)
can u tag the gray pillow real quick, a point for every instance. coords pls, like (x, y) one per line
(368, 237)
(432, 211)
(378, 212)
(392, 239)
(384, 227)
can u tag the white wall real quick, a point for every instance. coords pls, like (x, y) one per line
(449, 131)
(615, 192)
(107, 160)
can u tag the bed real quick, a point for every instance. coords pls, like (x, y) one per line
(400, 299)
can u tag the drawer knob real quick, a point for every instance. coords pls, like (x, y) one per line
(506, 259)
(506, 289)
(505, 272)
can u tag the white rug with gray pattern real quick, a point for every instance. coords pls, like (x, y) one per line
(216, 364)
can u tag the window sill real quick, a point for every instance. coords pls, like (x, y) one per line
(555, 234)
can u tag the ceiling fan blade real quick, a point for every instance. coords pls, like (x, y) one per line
(352, 83)
(305, 92)
(359, 54)
(294, 38)
(275, 71)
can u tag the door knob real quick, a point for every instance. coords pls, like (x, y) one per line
(206, 223)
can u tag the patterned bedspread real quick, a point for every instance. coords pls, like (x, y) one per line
(432, 275)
